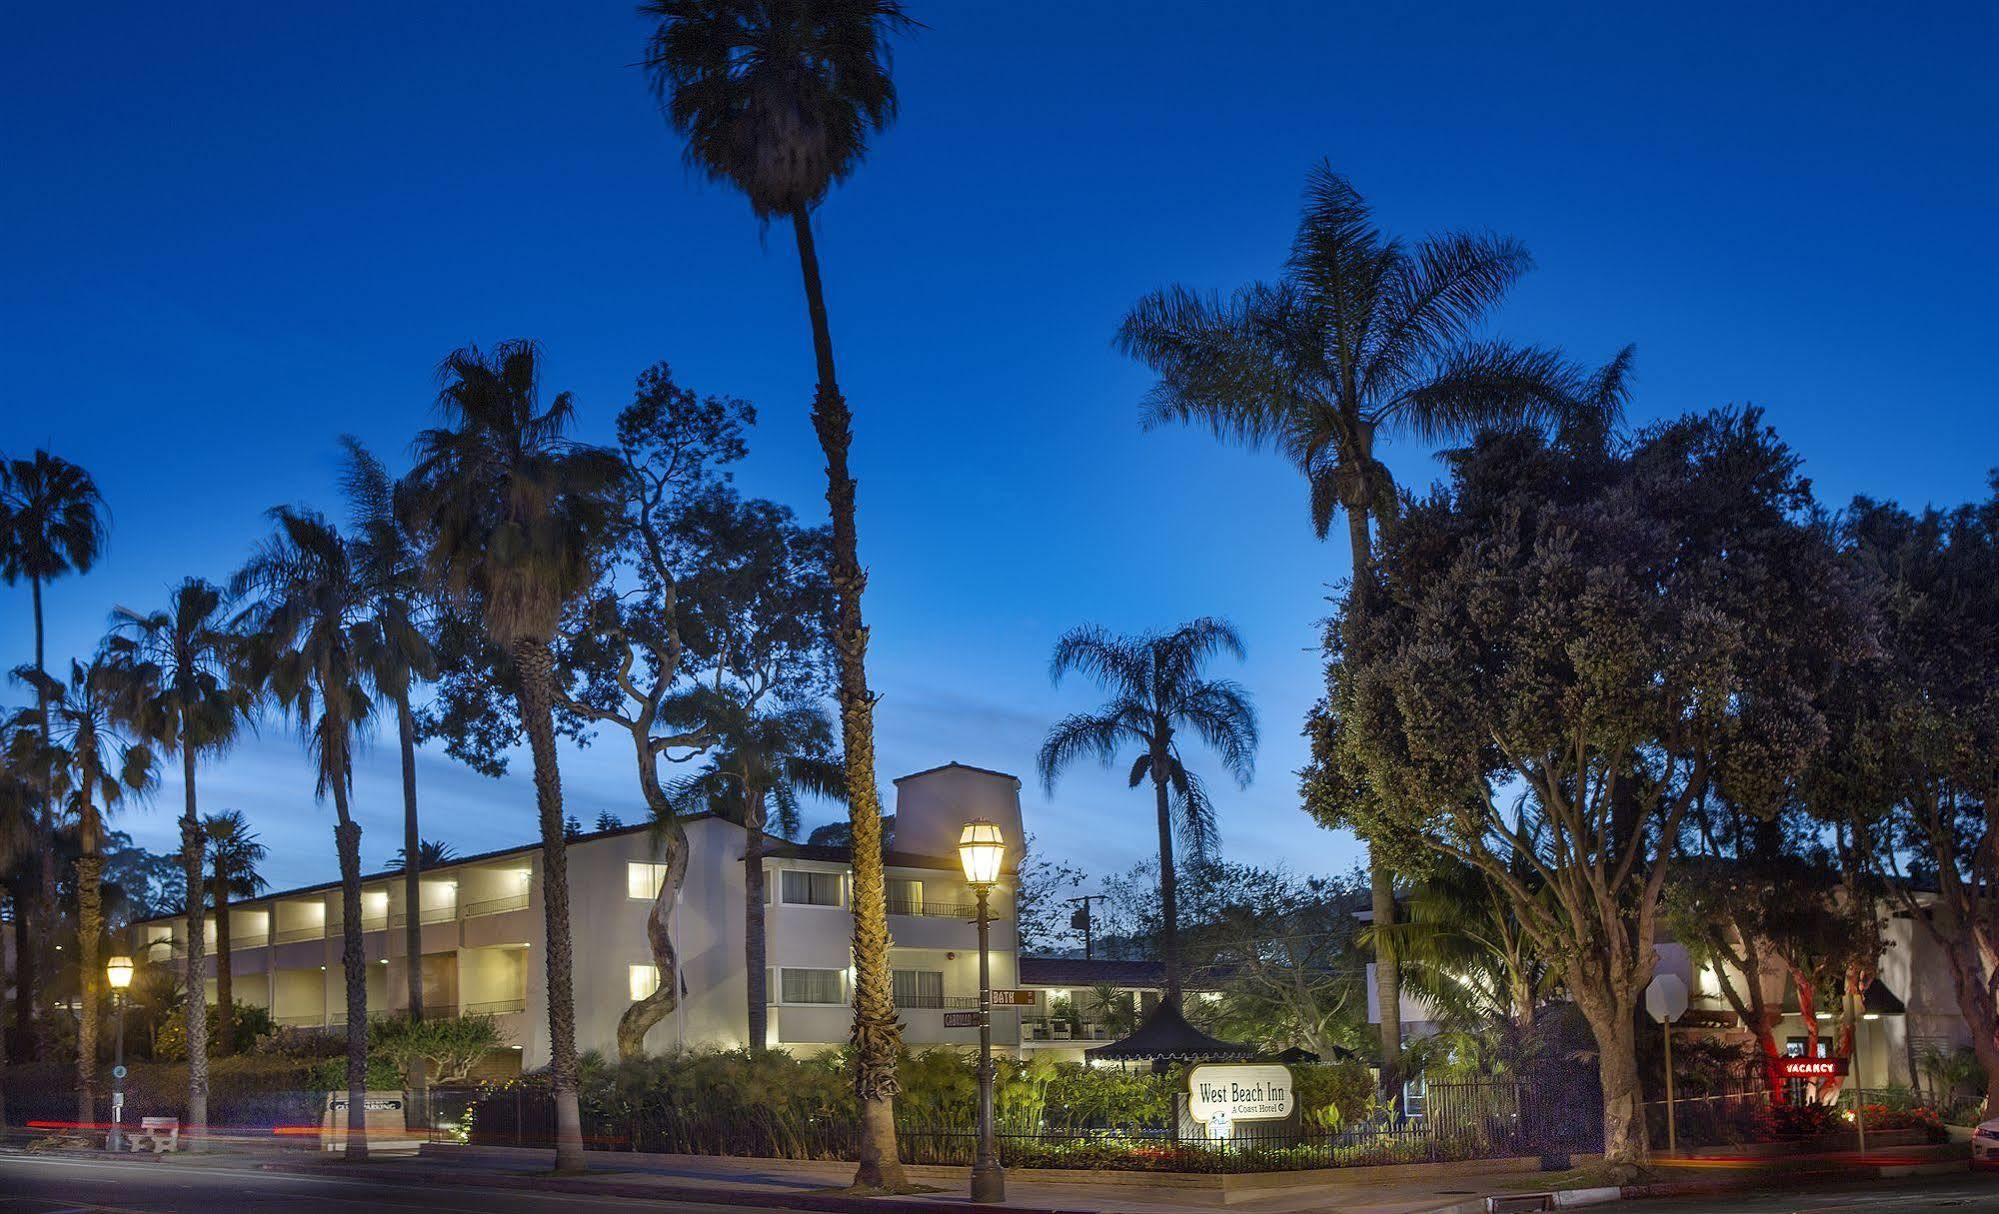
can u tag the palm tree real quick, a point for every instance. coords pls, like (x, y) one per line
(1362, 339)
(306, 612)
(233, 855)
(93, 768)
(777, 98)
(390, 565)
(512, 515)
(177, 689)
(764, 761)
(53, 521)
(18, 836)
(1156, 691)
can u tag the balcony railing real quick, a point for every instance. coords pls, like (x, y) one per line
(315, 1020)
(495, 1007)
(292, 935)
(494, 906)
(431, 914)
(954, 1003)
(1040, 1028)
(929, 909)
(369, 923)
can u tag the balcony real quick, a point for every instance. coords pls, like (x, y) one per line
(495, 1007)
(431, 914)
(928, 909)
(1040, 1030)
(294, 935)
(495, 906)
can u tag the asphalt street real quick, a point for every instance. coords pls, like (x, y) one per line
(1963, 1194)
(47, 1185)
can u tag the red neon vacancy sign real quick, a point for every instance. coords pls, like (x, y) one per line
(1811, 1068)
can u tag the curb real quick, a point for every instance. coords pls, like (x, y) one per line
(832, 1203)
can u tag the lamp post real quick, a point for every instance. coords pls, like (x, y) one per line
(981, 849)
(118, 971)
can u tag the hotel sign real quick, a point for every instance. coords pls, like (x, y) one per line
(1811, 1068)
(1240, 1092)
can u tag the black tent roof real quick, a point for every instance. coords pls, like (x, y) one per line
(1166, 1034)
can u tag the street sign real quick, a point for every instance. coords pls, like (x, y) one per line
(1011, 998)
(961, 1020)
(1811, 1068)
(119, 1072)
(1666, 998)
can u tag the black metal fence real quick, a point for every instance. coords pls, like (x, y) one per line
(1553, 1117)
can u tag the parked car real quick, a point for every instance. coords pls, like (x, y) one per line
(1985, 1144)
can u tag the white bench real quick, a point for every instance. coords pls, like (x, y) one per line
(157, 1134)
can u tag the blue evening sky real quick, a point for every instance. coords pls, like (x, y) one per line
(231, 231)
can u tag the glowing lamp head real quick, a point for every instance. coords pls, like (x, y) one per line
(981, 849)
(118, 971)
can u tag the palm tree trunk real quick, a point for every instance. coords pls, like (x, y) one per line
(753, 922)
(1169, 890)
(27, 916)
(225, 978)
(194, 971)
(537, 686)
(27, 1011)
(354, 968)
(89, 926)
(1381, 879)
(877, 1034)
(412, 891)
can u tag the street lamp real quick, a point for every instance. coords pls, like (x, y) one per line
(981, 849)
(118, 972)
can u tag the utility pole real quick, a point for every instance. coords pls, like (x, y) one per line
(1079, 920)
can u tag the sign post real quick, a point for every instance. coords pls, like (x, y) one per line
(1666, 1000)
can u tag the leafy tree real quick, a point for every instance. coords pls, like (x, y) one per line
(1157, 689)
(1913, 778)
(306, 609)
(93, 767)
(511, 515)
(447, 1047)
(179, 689)
(390, 566)
(766, 758)
(622, 655)
(1041, 907)
(1361, 339)
(1281, 952)
(1462, 949)
(233, 855)
(53, 522)
(1565, 650)
(777, 99)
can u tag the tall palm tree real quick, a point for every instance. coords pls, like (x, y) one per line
(389, 563)
(512, 515)
(1362, 339)
(764, 761)
(94, 767)
(53, 521)
(306, 614)
(777, 98)
(233, 855)
(178, 689)
(1156, 691)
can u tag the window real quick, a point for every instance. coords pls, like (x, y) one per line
(801, 888)
(918, 988)
(643, 881)
(645, 980)
(905, 896)
(810, 986)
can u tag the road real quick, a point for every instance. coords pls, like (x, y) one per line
(40, 1184)
(1961, 1194)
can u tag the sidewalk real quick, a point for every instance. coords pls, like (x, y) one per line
(787, 1184)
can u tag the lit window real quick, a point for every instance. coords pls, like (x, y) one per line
(643, 881)
(905, 896)
(810, 986)
(918, 988)
(645, 980)
(800, 888)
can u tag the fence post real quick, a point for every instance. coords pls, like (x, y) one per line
(517, 1114)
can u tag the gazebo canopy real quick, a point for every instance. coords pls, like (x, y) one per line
(1166, 1035)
